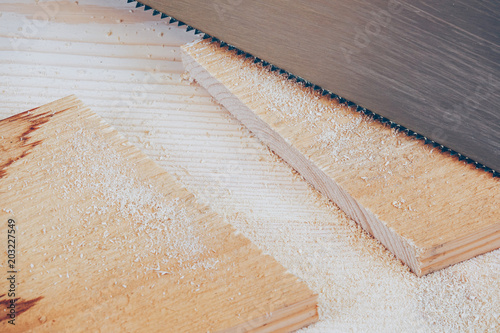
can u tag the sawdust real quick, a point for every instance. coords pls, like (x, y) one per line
(91, 168)
(339, 130)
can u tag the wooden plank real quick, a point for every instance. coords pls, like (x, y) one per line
(426, 207)
(432, 67)
(106, 239)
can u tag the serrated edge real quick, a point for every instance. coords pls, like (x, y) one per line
(324, 92)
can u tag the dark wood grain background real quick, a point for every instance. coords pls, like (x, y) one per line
(431, 66)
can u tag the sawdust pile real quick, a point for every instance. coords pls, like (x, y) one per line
(348, 137)
(91, 168)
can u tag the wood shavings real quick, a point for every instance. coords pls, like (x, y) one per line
(90, 165)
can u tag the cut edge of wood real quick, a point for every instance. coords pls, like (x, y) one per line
(287, 319)
(420, 261)
(461, 249)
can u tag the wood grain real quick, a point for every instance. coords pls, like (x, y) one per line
(432, 68)
(429, 209)
(108, 240)
(133, 79)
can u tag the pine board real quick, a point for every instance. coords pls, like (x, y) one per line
(426, 207)
(106, 239)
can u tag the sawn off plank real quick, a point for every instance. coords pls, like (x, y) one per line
(106, 239)
(428, 208)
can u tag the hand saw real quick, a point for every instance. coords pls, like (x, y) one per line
(428, 68)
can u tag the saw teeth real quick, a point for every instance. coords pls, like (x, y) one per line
(324, 92)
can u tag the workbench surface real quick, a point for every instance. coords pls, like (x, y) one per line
(125, 64)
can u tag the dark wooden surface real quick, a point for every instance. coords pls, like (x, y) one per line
(430, 66)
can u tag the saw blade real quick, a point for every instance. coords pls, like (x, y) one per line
(469, 155)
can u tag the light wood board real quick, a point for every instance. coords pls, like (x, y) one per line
(426, 207)
(106, 239)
